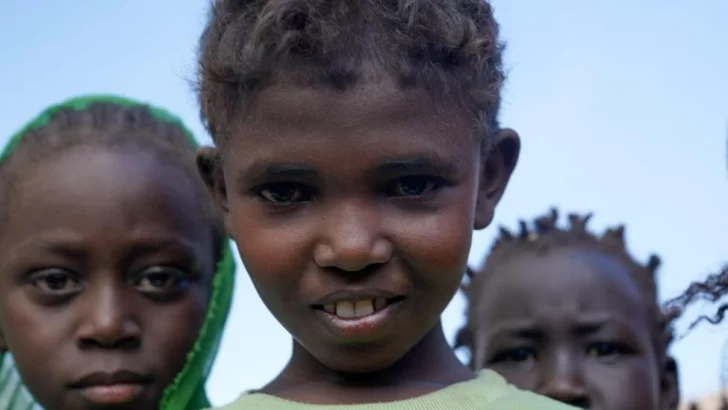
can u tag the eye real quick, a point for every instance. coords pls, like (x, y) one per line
(160, 279)
(285, 193)
(515, 355)
(56, 282)
(414, 186)
(608, 349)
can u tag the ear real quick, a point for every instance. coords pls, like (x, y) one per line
(210, 168)
(498, 162)
(670, 386)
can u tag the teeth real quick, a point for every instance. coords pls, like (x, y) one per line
(345, 309)
(364, 308)
(356, 309)
(330, 308)
(359, 308)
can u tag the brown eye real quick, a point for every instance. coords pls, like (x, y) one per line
(285, 193)
(515, 355)
(607, 349)
(414, 186)
(161, 279)
(56, 282)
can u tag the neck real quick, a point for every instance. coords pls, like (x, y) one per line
(430, 365)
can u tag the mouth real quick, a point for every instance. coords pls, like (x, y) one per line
(358, 317)
(357, 307)
(104, 388)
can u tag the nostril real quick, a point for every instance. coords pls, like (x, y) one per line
(360, 272)
(123, 343)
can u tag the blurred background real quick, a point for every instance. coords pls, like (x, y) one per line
(622, 107)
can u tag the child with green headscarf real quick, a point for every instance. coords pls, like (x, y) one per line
(116, 275)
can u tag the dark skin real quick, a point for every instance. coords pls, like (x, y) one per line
(369, 189)
(102, 274)
(582, 336)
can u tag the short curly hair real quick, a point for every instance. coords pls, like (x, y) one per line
(451, 48)
(546, 236)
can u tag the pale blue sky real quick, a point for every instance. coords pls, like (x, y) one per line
(622, 107)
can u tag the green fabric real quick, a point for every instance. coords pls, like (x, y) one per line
(13, 396)
(188, 390)
(488, 391)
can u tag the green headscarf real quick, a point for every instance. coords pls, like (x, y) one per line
(188, 390)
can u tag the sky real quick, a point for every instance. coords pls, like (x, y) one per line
(622, 108)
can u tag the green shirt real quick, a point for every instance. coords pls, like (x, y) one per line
(488, 391)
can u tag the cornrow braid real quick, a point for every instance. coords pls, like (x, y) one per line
(111, 122)
(543, 235)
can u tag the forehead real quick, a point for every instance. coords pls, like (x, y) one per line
(381, 115)
(563, 283)
(97, 189)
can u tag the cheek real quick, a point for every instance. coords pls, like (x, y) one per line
(271, 247)
(171, 331)
(631, 385)
(31, 330)
(438, 242)
(36, 339)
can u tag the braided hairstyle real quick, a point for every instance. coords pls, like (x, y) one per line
(712, 289)
(111, 122)
(545, 235)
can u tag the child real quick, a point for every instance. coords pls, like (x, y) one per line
(358, 148)
(571, 315)
(116, 276)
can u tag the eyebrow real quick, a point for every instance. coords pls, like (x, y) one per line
(263, 171)
(151, 245)
(589, 325)
(584, 326)
(421, 162)
(521, 329)
(62, 245)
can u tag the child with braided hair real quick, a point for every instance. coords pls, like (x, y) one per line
(572, 315)
(116, 275)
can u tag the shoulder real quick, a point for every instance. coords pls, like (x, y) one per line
(252, 400)
(505, 396)
(520, 399)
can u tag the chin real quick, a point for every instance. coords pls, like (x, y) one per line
(359, 362)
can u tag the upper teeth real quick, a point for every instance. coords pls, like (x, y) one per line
(355, 309)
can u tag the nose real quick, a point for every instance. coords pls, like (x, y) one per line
(564, 381)
(352, 238)
(108, 322)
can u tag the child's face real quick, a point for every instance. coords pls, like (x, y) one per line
(573, 325)
(353, 213)
(104, 278)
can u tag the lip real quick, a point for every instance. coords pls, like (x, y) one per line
(355, 294)
(361, 329)
(107, 388)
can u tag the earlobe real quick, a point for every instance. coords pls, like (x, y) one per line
(210, 168)
(670, 385)
(498, 162)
